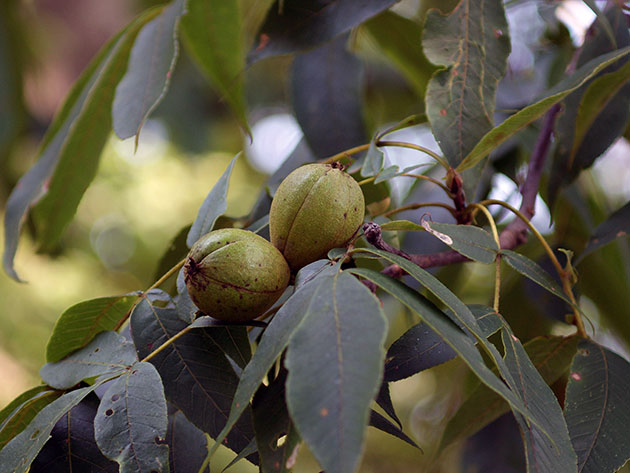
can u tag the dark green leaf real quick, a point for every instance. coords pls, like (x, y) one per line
(420, 348)
(451, 333)
(212, 33)
(274, 340)
(550, 449)
(19, 413)
(472, 45)
(232, 341)
(617, 225)
(551, 357)
(384, 400)
(18, 454)
(295, 25)
(108, 353)
(532, 270)
(213, 207)
(597, 408)
(198, 378)
(79, 152)
(596, 114)
(131, 422)
(603, 21)
(62, 143)
(72, 446)
(187, 445)
(326, 91)
(151, 63)
(271, 422)
(398, 38)
(333, 374)
(402, 225)
(524, 117)
(78, 325)
(472, 242)
(381, 423)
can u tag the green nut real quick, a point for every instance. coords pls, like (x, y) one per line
(316, 208)
(235, 275)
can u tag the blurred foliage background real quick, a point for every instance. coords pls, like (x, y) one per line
(140, 201)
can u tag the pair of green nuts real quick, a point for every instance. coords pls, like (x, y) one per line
(235, 275)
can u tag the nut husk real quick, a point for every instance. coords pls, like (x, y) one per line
(235, 275)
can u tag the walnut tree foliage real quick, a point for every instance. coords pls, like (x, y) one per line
(143, 382)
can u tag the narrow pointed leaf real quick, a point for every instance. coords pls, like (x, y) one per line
(384, 400)
(81, 117)
(617, 225)
(17, 455)
(451, 333)
(397, 37)
(78, 325)
(271, 422)
(472, 242)
(334, 375)
(549, 450)
(213, 207)
(524, 117)
(532, 270)
(198, 379)
(212, 33)
(472, 45)
(131, 421)
(188, 446)
(326, 93)
(147, 78)
(296, 25)
(273, 342)
(596, 114)
(108, 353)
(420, 348)
(550, 355)
(381, 423)
(72, 446)
(597, 408)
(18, 414)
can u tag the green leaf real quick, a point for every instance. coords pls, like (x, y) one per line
(548, 447)
(188, 446)
(78, 325)
(440, 323)
(60, 134)
(597, 408)
(402, 225)
(151, 64)
(472, 242)
(617, 225)
(397, 37)
(550, 355)
(107, 354)
(334, 374)
(472, 45)
(19, 453)
(596, 114)
(594, 101)
(274, 340)
(524, 117)
(15, 417)
(384, 425)
(214, 205)
(80, 149)
(374, 160)
(601, 17)
(212, 33)
(131, 421)
(532, 270)
(198, 378)
(318, 22)
(272, 421)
